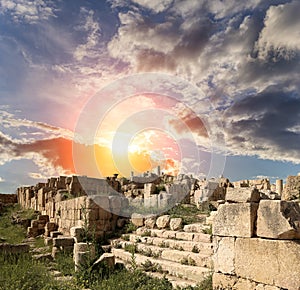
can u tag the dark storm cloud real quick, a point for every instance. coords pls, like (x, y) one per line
(267, 121)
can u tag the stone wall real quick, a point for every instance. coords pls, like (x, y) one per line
(256, 242)
(65, 202)
(8, 198)
(292, 188)
(100, 213)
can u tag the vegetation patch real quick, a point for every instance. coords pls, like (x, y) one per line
(9, 232)
(189, 213)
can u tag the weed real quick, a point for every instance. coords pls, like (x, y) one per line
(9, 232)
(130, 227)
(146, 233)
(126, 237)
(195, 249)
(188, 261)
(208, 230)
(164, 245)
(131, 248)
(65, 264)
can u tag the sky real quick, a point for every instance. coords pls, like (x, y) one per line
(202, 87)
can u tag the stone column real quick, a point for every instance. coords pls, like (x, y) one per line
(279, 186)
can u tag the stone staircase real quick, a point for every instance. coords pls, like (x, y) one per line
(183, 257)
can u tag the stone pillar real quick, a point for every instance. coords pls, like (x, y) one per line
(279, 186)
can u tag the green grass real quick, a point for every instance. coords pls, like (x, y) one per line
(9, 233)
(23, 273)
(188, 213)
(64, 263)
(125, 280)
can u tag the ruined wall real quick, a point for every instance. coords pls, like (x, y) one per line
(8, 198)
(256, 242)
(292, 188)
(99, 212)
(66, 204)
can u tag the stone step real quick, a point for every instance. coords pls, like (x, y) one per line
(187, 235)
(189, 246)
(196, 228)
(175, 281)
(192, 273)
(178, 256)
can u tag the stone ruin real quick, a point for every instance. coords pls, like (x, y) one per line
(256, 230)
(256, 242)
(65, 202)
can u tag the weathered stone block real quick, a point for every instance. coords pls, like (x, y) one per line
(184, 236)
(235, 220)
(272, 262)
(175, 224)
(77, 233)
(224, 282)
(223, 257)
(150, 222)
(242, 194)
(169, 234)
(227, 282)
(278, 219)
(193, 228)
(137, 219)
(106, 258)
(163, 221)
(63, 241)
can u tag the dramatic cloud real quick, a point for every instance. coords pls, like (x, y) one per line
(264, 124)
(280, 36)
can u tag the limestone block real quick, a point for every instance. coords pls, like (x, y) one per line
(163, 221)
(77, 233)
(223, 257)
(169, 234)
(51, 226)
(140, 231)
(235, 220)
(278, 219)
(272, 262)
(149, 188)
(175, 224)
(61, 241)
(106, 258)
(137, 219)
(150, 222)
(201, 237)
(210, 219)
(242, 194)
(222, 281)
(184, 236)
(193, 228)
(81, 247)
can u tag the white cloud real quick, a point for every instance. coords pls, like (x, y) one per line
(155, 5)
(2, 179)
(29, 11)
(281, 34)
(92, 28)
